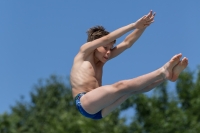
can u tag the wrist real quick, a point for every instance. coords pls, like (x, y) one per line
(133, 26)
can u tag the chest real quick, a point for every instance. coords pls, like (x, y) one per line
(99, 76)
(92, 69)
(98, 73)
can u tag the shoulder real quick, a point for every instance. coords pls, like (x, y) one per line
(82, 56)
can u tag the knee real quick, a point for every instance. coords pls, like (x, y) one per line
(121, 85)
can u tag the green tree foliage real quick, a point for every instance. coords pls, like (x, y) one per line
(52, 110)
(168, 113)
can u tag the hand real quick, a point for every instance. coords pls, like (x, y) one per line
(145, 20)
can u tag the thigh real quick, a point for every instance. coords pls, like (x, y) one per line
(116, 104)
(100, 98)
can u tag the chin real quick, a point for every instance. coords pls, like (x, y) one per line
(104, 61)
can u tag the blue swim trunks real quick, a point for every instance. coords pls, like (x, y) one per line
(96, 116)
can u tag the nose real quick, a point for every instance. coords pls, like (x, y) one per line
(108, 52)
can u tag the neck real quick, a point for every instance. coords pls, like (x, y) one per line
(97, 62)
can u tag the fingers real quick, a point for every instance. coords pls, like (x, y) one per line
(150, 20)
(154, 14)
(149, 23)
(150, 16)
(146, 20)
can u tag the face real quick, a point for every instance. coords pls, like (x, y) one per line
(103, 53)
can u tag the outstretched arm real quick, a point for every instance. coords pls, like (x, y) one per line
(132, 38)
(91, 46)
(139, 24)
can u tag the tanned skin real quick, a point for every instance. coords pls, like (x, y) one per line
(87, 69)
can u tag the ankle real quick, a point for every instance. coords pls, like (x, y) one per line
(163, 73)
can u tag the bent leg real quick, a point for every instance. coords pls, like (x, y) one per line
(104, 96)
(118, 102)
(176, 71)
(150, 87)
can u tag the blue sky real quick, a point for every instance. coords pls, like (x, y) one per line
(41, 38)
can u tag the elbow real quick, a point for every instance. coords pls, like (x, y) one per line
(127, 44)
(107, 38)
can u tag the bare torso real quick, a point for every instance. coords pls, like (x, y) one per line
(85, 74)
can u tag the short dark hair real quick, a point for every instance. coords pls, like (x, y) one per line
(97, 32)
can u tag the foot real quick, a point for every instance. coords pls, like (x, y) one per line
(179, 68)
(168, 67)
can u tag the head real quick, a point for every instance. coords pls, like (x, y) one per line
(102, 53)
